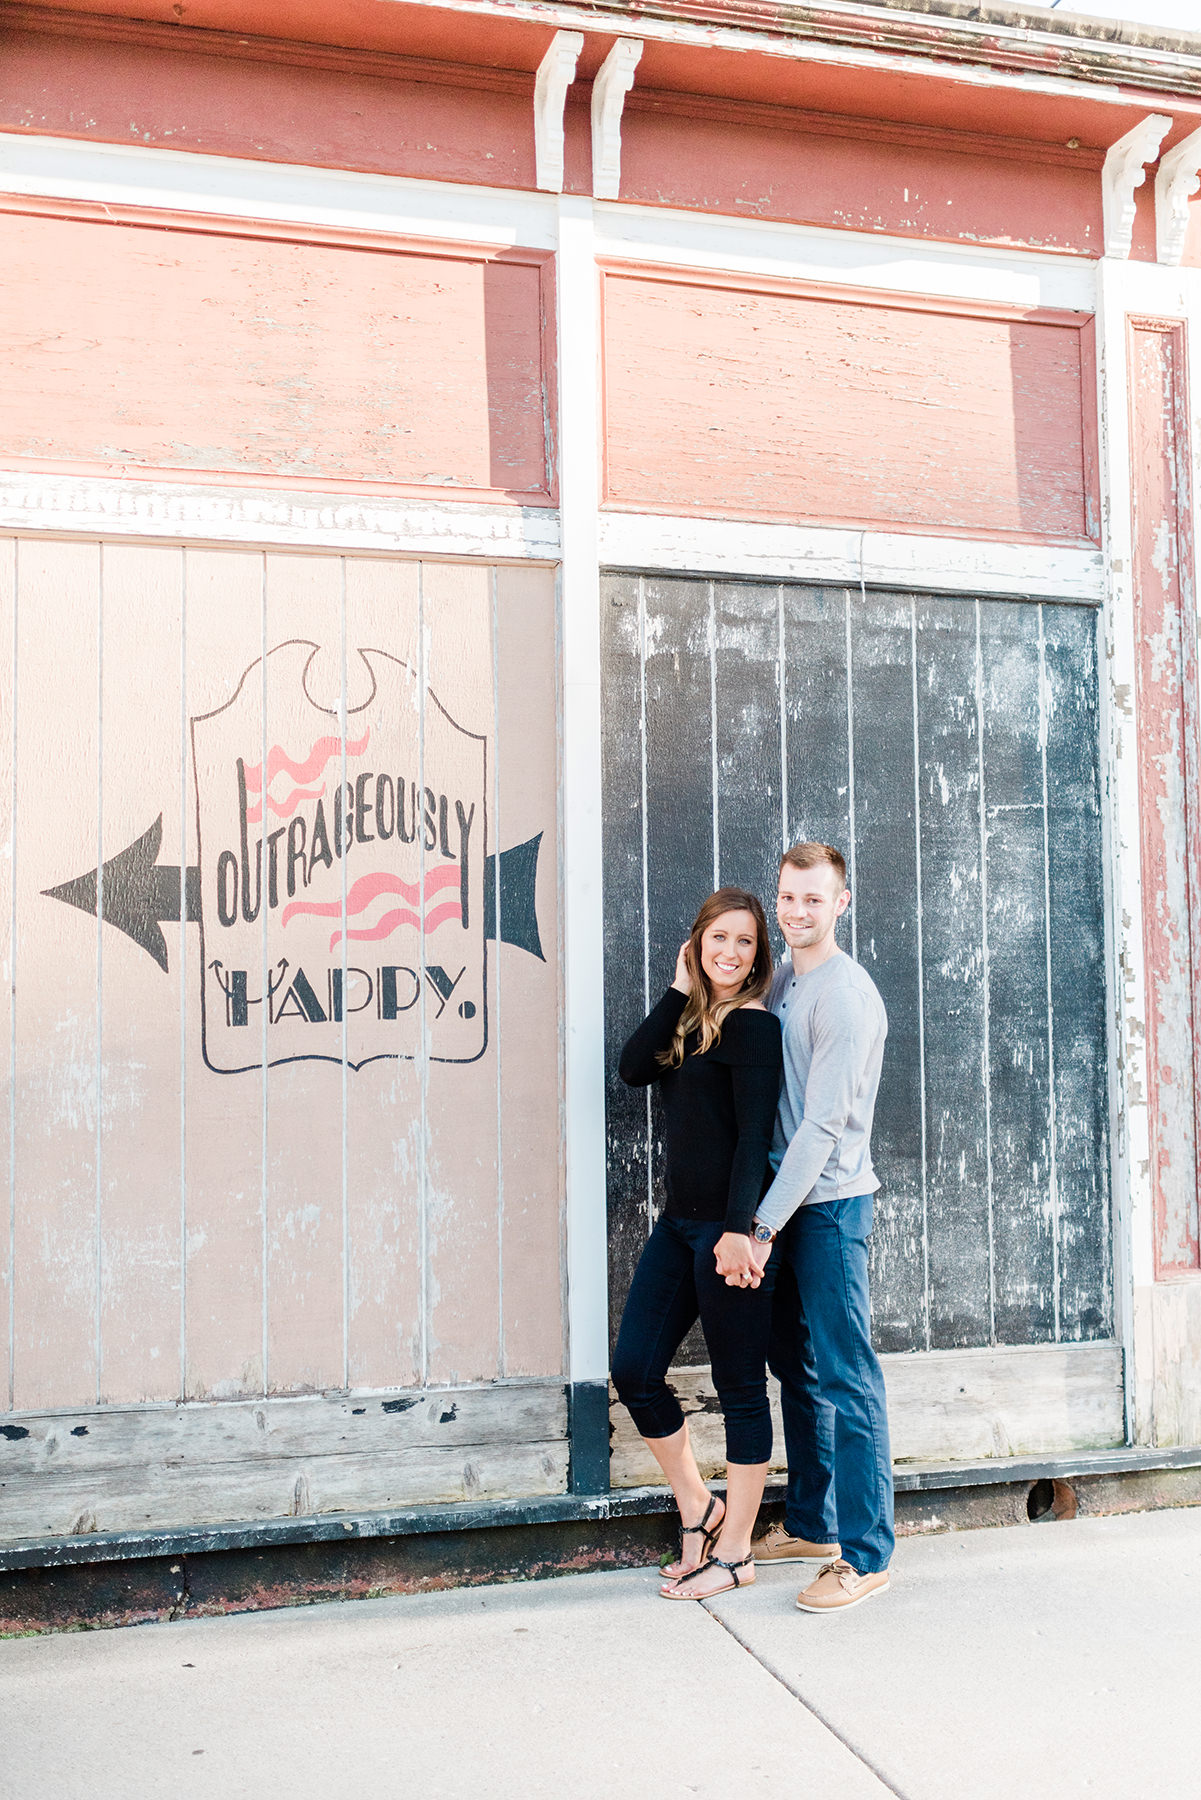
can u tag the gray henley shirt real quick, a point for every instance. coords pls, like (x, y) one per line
(834, 1027)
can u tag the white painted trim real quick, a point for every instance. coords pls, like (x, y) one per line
(98, 506)
(664, 235)
(235, 187)
(1133, 1224)
(613, 82)
(929, 66)
(103, 507)
(734, 547)
(1123, 173)
(1178, 179)
(556, 72)
(1163, 292)
(583, 901)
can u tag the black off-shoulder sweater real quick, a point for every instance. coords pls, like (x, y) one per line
(719, 1110)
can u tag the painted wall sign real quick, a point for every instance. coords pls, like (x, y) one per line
(362, 847)
(195, 735)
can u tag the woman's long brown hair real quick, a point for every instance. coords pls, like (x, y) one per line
(701, 1012)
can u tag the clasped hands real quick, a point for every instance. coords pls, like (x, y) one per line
(740, 1259)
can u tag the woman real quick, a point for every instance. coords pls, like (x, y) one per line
(715, 1053)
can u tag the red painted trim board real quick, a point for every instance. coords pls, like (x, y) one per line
(1169, 777)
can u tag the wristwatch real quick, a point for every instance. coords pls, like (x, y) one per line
(762, 1234)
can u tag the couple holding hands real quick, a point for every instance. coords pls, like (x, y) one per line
(768, 1081)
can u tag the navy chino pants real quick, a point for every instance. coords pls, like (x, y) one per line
(831, 1386)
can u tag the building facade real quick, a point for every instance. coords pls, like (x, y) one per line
(473, 478)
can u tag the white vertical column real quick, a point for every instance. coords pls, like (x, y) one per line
(1118, 654)
(1124, 289)
(583, 905)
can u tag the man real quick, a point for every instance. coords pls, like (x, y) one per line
(816, 1218)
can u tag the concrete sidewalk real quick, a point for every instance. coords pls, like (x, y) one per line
(1060, 1660)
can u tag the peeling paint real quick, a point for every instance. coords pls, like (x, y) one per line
(1169, 778)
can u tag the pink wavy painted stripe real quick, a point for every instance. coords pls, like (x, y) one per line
(314, 764)
(368, 888)
(388, 924)
(283, 809)
(449, 909)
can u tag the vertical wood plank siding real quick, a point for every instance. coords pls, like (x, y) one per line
(180, 1221)
(950, 746)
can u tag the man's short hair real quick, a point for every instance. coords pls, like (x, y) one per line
(808, 856)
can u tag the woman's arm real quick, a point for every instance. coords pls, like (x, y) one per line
(639, 1065)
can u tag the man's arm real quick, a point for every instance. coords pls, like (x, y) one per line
(844, 1033)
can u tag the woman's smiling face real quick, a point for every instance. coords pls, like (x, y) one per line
(728, 952)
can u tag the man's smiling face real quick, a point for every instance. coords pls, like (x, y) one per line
(809, 903)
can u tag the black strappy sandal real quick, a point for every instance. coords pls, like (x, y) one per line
(732, 1568)
(708, 1535)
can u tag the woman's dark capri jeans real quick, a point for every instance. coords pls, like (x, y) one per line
(676, 1282)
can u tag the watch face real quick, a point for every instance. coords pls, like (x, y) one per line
(763, 1234)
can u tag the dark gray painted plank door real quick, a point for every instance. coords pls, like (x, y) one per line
(884, 880)
(951, 747)
(815, 695)
(628, 1112)
(750, 819)
(1017, 1042)
(1077, 949)
(957, 1194)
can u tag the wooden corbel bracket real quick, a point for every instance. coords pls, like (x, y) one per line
(1124, 171)
(556, 72)
(1178, 179)
(613, 82)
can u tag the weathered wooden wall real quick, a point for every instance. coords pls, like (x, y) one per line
(950, 747)
(357, 1185)
(740, 397)
(132, 1469)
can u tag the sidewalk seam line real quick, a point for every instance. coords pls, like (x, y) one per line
(808, 1705)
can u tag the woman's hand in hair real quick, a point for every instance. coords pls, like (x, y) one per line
(682, 979)
(736, 1260)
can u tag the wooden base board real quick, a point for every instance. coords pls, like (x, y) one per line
(116, 1469)
(135, 1468)
(954, 1405)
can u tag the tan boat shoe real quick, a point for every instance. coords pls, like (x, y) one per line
(839, 1586)
(777, 1546)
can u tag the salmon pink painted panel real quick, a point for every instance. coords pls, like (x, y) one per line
(343, 112)
(242, 353)
(777, 402)
(799, 168)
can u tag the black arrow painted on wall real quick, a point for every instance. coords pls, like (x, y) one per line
(138, 892)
